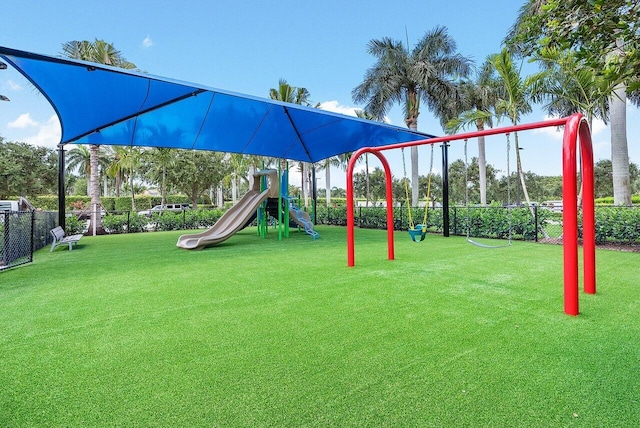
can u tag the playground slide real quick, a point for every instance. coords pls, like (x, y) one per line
(302, 219)
(234, 219)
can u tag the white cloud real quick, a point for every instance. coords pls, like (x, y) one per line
(36, 133)
(23, 121)
(147, 42)
(556, 132)
(48, 135)
(11, 85)
(336, 107)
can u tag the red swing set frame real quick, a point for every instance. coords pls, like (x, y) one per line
(574, 126)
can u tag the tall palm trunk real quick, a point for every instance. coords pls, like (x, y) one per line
(412, 123)
(164, 185)
(619, 148)
(366, 176)
(482, 164)
(327, 180)
(133, 193)
(525, 192)
(96, 219)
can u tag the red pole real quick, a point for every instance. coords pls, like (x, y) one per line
(389, 191)
(588, 210)
(570, 215)
(350, 220)
(351, 252)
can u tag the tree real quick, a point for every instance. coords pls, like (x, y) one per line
(326, 165)
(425, 74)
(99, 52)
(26, 170)
(158, 160)
(603, 174)
(114, 169)
(80, 158)
(195, 172)
(363, 114)
(478, 100)
(569, 86)
(130, 159)
(513, 101)
(605, 36)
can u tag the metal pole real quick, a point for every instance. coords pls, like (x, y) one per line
(314, 193)
(61, 192)
(445, 189)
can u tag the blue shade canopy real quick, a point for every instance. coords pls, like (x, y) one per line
(98, 104)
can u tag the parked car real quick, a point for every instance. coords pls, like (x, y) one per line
(555, 206)
(162, 208)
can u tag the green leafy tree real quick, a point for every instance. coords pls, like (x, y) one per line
(195, 172)
(477, 103)
(130, 159)
(425, 75)
(26, 170)
(605, 36)
(157, 161)
(514, 100)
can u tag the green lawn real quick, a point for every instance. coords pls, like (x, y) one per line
(129, 330)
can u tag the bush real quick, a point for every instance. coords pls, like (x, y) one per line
(616, 224)
(73, 225)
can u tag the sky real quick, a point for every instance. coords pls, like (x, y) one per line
(248, 46)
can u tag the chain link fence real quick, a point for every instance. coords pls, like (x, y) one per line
(24, 232)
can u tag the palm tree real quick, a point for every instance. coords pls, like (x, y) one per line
(295, 95)
(569, 86)
(513, 102)
(160, 158)
(326, 165)
(115, 170)
(80, 158)
(608, 45)
(478, 99)
(129, 161)
(425, 74)
(363, 114)
(99, 52)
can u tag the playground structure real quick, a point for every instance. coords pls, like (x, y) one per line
(574, 126)
(236, 217)
(266, 195)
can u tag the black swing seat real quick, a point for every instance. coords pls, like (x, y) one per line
(418, 233)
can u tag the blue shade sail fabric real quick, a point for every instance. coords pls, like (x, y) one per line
(98, 104)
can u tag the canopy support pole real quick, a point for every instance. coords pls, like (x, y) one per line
(61, 191)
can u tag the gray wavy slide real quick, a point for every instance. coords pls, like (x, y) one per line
(236, 217)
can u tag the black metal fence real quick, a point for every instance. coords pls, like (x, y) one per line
(614, 224)
(22, 233)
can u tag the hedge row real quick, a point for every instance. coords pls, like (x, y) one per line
(613, 224)
(110, 203)
(486, 222)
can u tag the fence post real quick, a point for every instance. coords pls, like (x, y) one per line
(455, 220)
(33, 231)
(535, 219)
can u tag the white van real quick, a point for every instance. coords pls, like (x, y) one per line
(161, 208)
(9, 206)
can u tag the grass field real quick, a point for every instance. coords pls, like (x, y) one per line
(129, 330)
